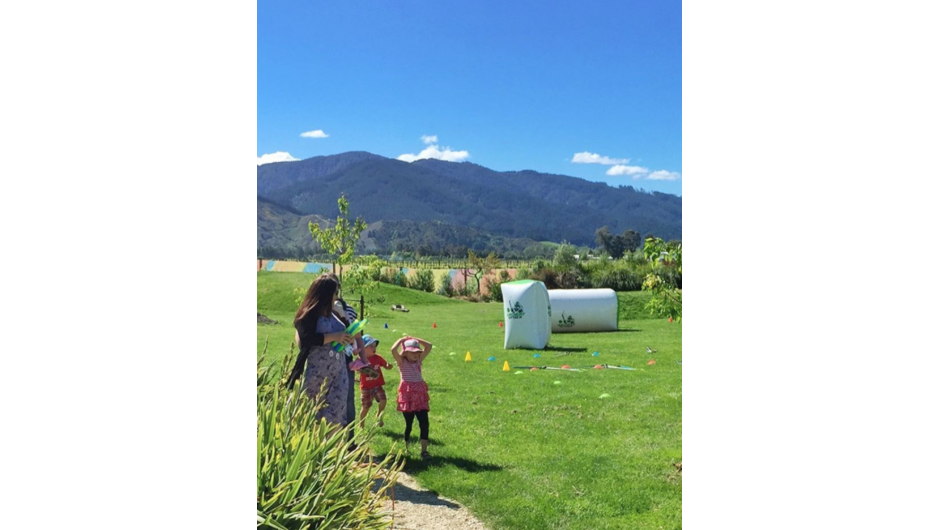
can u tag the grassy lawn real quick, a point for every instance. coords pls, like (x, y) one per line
(539, 449)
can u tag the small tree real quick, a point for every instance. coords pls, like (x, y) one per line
(339, 241)
(566, 265)
(364, 273)
(495, 286)
(631, 240)
(667, 298)
(617, 245)
(482, 266)
(446, 287)
(423, 280)
(363, 277)
(564, 258)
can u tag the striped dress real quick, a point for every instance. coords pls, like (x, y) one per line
(412, 391)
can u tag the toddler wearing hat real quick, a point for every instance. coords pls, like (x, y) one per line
(413, 399)
(372, 387)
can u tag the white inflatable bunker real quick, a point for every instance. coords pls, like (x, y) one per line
(528, 314)
(583, 310)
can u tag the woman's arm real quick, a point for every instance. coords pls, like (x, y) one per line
(340, 336)
(305, 337)
(319, 339)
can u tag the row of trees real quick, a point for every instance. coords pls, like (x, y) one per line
(617, 245)
(658, 270)
(452, 257)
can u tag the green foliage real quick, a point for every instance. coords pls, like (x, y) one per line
(309, 476)
(339, 241)
(617, 245)
(537, 250)
(496, 293)
(566, 266)
(548, 276)
(423, 280)
(564, 258)
(518, 450)
(618, 279)
(482, 266)
(631, 240)
(446, 287)
(524, 207)
(667, 293)
(523, 273)
(363, 277)
(620, 275)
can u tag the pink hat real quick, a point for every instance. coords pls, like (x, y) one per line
(412, 345)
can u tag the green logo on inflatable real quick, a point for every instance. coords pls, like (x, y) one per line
(566, 322)
(514, 311)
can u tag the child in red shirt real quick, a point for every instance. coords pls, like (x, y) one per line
(372, 387)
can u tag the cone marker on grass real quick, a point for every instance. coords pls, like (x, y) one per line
(505, 366)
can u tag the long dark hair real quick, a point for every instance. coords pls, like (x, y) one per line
(319, 299)
(317, 302)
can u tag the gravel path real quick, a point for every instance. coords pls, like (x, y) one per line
(419, 509)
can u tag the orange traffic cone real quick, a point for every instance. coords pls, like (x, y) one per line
(500, 323)
(434, 325)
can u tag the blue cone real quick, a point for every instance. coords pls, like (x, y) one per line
(595, 354)
(386, 325)
(537, 355)
(491, 358)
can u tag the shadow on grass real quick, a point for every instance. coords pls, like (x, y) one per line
(570, 350)
(397, 436)
(415, 465)
(406, 493)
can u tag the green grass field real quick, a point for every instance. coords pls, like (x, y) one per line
(539, 449)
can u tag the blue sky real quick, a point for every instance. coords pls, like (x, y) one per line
(591, 89)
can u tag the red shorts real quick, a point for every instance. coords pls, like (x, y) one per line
(368, 394)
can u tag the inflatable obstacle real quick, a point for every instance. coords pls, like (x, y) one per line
(577, 310)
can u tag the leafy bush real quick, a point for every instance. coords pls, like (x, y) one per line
(670, 275)
(496, 293)
(472, 296)
(618, 279)
(547, 276)
(446, 287)
(523, 273)
(423, 280)
(309, 475)
(625, 274)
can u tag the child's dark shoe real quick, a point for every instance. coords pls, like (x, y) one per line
(425, 456)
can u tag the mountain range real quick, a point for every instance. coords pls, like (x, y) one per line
(446, 207)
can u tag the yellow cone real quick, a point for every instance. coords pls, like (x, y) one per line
(468, 357)
(505, 366)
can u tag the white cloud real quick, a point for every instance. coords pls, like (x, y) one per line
(664, 175)
(279, 156)
(636, 171)
(429, 139)
(314, 134)
(432, 151)
(594, 158)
